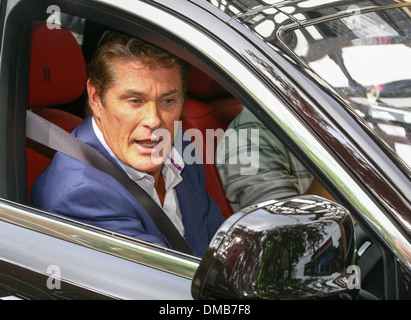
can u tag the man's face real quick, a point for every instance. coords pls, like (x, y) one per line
(141, 101)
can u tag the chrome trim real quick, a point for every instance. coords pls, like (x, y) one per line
(248, 81)
(124, 247)
(343, 14)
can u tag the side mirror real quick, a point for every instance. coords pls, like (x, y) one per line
(296, 248)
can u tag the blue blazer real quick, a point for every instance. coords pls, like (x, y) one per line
(70, 188)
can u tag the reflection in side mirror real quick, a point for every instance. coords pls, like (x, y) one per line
(296, 248)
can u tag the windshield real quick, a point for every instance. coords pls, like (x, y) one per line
(367, 59)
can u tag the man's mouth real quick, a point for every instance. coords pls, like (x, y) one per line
(148, 143)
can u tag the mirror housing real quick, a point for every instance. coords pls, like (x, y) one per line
(295, 248)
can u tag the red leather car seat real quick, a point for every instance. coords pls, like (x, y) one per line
(57, 76)
(210, 106)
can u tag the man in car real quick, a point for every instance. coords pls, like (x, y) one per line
(135, 93)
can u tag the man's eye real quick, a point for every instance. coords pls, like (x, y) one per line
(134, 101)
(168, 101)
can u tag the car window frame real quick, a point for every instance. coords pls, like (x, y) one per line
(360, 199)
(362, 146)
(261, 99)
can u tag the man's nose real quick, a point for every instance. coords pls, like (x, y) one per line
(151, 117)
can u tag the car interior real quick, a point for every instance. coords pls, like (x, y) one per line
(59, 51)
(56, 93)
(58, 73)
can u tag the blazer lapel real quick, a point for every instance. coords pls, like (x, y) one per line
(85, 133)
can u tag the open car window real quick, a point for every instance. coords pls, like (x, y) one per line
(209, 110)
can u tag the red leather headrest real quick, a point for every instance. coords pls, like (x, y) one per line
(57, 67)
(202, 86)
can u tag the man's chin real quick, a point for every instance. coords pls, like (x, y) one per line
(149, 166)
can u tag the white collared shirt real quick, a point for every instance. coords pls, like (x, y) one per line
(172, 177)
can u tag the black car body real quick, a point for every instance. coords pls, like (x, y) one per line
(252, 49)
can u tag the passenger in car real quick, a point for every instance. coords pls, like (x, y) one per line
(135, 93)
(272, 173)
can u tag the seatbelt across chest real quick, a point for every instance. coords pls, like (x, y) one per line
(52, 136)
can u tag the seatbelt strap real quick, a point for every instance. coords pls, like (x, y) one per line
(54, 137)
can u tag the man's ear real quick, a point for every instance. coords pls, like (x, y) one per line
(94, 99)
